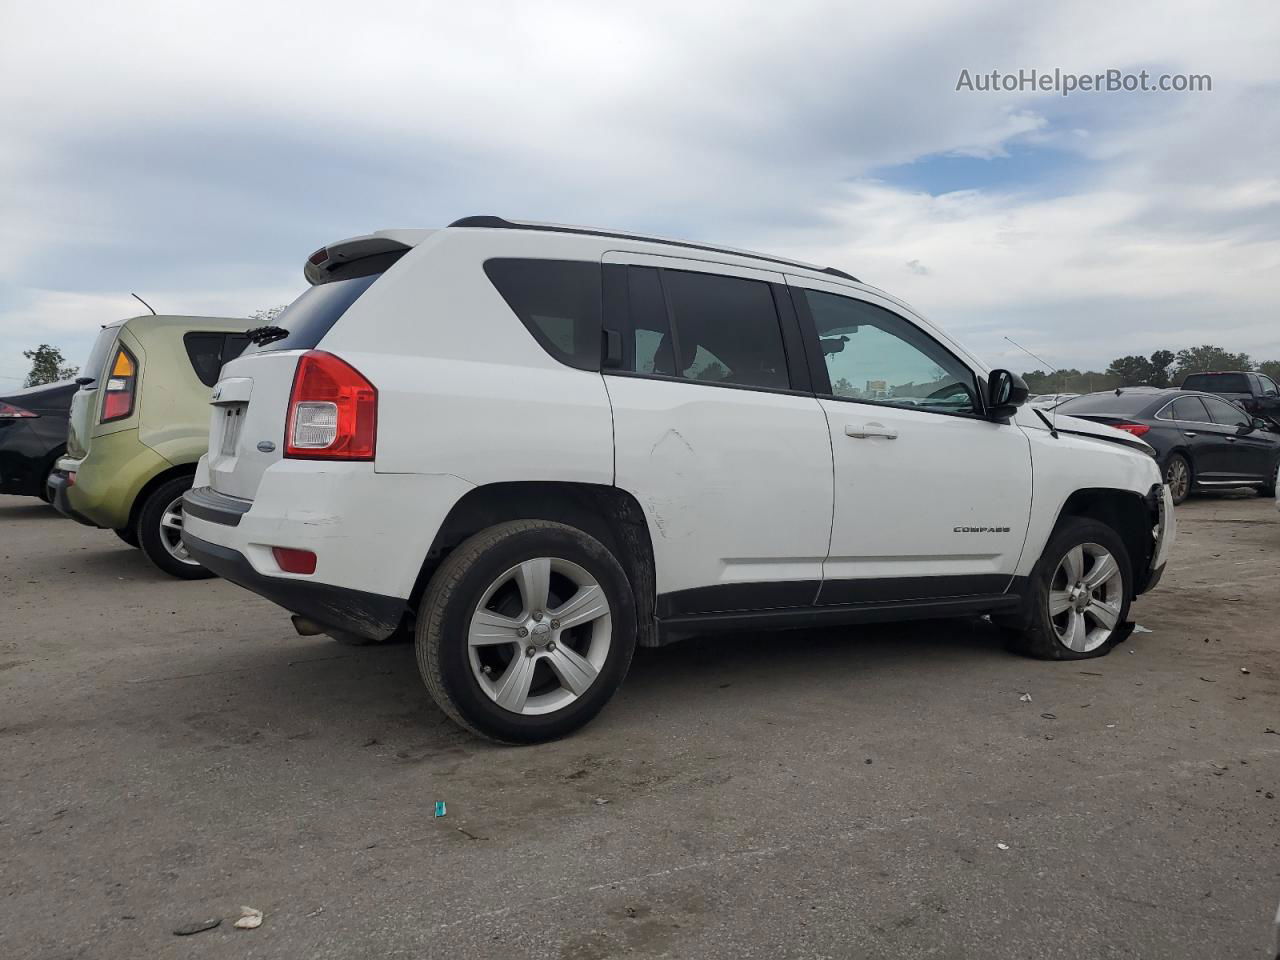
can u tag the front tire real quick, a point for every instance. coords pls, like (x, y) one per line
(129, 535)
(1078, 594)
(159, 531)
(526, 631)
(1177, 474)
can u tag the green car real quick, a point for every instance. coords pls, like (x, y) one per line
(138, 424)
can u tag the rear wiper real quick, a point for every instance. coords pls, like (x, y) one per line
(264, 335)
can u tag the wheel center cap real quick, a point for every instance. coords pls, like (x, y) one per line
(540, 634)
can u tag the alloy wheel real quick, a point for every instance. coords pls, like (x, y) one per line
(1178, 476)
(171, 533)
(539, 636)
(1086, 595)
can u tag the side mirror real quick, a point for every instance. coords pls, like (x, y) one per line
(1006, 392)
(1252, 425)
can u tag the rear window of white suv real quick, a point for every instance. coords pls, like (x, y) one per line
(313, 314)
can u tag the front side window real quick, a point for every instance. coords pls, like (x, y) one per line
(1227, 414)
(558, 301)
(1269, 388)
(724, 330)
(875, 356)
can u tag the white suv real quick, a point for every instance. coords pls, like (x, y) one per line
(537, 446)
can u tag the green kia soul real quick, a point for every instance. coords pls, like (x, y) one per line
(138, 424)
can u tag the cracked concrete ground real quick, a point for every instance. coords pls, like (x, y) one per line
(170, 751)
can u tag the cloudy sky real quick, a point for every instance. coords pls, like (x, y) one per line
(197, 152)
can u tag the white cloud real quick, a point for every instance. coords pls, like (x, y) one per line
(200, 153)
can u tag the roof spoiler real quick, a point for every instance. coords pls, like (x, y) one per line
(328, 263)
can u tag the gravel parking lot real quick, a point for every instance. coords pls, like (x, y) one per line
(170, 751)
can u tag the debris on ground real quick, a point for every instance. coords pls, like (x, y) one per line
(1207, 680)
(1244, 669)
(1139, 628)
(250, 919)
(600, 801)
(1025, 698)
(199, 926)
(1003, 846)
(440, 809)
(1049, 716)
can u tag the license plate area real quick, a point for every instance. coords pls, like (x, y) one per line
(232, 423)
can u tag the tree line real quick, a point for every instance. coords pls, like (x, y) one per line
(1162, 368)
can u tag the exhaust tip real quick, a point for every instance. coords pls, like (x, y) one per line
(306, 627)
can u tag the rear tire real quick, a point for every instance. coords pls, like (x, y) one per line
(490, 642)
(129, 535)
(1178, 475)
(1270, 489)
(159, 531)
(1077, 601)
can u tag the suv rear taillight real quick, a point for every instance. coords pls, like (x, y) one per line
(333, 411)
(1137, 429)
(9, 412)
(122, 385)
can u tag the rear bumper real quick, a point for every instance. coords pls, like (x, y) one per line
(58, 485)
(109, 478)
(368, 615)
(370, 532)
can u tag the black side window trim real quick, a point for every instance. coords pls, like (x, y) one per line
(617, 319)
(822, 379)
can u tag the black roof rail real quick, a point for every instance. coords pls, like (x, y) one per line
(499, 223)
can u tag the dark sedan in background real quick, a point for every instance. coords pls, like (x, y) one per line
(1202, 442)
(33, 435)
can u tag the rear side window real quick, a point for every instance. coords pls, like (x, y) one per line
(1189, 409)
(209, 352)
(1217, 382)
(651, 349)
(559, 301)
(724, 330)
(314, 313)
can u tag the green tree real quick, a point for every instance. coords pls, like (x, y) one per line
(47, 366)
(1208, 357)
(1131, 370)
(1161, 361)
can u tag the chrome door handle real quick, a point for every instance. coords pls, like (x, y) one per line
(1231, 439)
(1189, 433)
(868, 430)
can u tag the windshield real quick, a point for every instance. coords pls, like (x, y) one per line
(314, 313)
